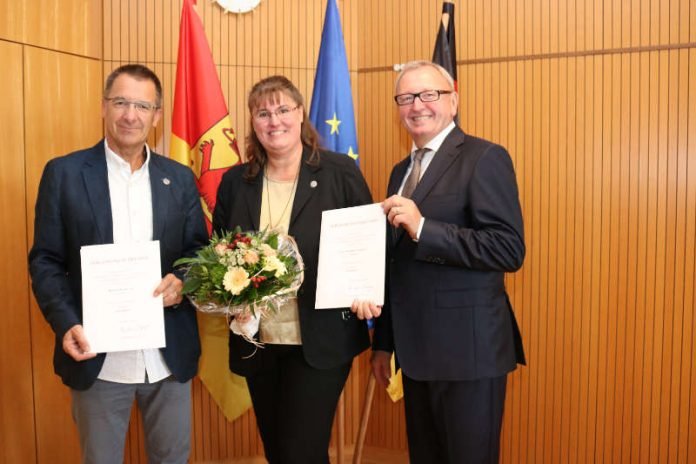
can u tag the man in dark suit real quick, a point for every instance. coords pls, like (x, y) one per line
(119, 192)
(456, 229)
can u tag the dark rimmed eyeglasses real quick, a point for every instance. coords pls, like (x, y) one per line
(424, 96)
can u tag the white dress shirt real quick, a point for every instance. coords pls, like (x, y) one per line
(433, 146)
(131, 214)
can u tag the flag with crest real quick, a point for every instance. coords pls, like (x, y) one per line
(203, 139)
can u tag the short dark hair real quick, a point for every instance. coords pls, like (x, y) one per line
(137, 71)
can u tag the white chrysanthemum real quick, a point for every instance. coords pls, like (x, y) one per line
(272, 263)
(236, 280)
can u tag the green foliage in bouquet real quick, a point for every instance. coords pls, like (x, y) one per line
(241, 268)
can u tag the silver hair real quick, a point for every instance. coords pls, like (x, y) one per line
(417, 64)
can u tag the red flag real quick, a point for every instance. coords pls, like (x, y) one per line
(202, 138)
(202, 135)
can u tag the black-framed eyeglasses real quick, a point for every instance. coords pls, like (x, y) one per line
(283, 113)
(122, 104)
(425, 96)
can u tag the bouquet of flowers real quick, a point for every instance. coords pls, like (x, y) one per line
(243, 275)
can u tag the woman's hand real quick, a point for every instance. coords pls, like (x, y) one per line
(365, 309)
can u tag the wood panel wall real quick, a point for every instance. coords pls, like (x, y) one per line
(49, 93)
(596, 102)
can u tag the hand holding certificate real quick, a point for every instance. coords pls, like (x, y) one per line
(119, 310)
(352, 251)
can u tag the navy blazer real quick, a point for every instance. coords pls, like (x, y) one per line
(73, 209)
(447, 314)
(330, 337)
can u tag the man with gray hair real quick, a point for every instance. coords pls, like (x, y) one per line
(119, 191)
(456, 228)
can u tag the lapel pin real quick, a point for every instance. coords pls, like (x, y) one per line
(313, 184)
(166, 181)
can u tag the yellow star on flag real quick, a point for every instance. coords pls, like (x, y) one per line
(334, 124)
(351, 153)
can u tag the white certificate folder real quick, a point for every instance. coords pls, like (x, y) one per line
(352, 251)
(119, 310)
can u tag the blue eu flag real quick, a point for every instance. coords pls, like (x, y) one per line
(332, 102)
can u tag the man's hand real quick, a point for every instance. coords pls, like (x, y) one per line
(403, 212)
(381, 367)
(170, 287)
(365, 309)
(75, 344)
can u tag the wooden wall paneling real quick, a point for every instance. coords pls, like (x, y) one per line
(107, 41)
(43, 23)
(560, 111)
(672, 362)
(13, 22)
(688, 443)
(667, 237)
(626, 319)
(631, 87)
(551, 250)
(75, 85)
(16, 395)
(683, 321)
(640, 247)
(691, 12)
(621, 83)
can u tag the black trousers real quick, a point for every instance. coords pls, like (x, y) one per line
(454, 422)
(295, 406)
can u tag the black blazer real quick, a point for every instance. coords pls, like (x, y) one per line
(73, 209)
(447, 314)
(330, 337)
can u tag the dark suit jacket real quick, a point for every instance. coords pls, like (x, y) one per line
(330, 337)
(447, 314)
(73, 209)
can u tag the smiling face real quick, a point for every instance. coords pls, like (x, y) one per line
(425, 120)
(279, 132)
(127, 127)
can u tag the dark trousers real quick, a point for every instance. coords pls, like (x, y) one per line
(295, 405)
(454, 422)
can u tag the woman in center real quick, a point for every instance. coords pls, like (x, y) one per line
(296, 379)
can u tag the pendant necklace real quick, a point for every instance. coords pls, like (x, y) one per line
(271, 226)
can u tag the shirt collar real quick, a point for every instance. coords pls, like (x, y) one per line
(117, 164)
(436, 142)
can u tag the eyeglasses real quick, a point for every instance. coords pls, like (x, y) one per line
(122, 104)
(425, 96)
(283, 114)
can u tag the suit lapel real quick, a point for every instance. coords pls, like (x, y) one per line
(439, 165)
(393, 188)
(251, 192)
(307, 185)
(398, 176)
(160, 183)
(96, 180)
